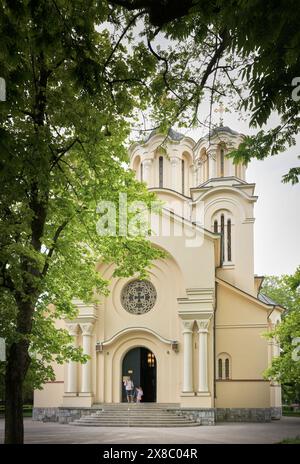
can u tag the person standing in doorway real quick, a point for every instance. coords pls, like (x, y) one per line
(128, 383)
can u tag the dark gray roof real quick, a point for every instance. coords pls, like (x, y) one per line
(218, 129)
(173, 135)
(267, 300)
(223, 129)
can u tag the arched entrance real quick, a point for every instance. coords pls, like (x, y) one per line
(140, 364)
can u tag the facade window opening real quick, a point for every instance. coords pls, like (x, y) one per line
(222, 238)
(229, 240)
(220, 369)
(182, 176)
(226, 368)
(216, 227)
(161, 172)
(142, 172)
(222, 162)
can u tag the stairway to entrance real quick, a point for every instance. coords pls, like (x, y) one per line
(134, 415)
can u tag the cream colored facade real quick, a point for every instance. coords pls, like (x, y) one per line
(205, 328)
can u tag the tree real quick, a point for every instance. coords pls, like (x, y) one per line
(71, 91)
(285, 368)
(255, 52)
(282, 289)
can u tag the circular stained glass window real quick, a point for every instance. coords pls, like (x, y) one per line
(138, 296)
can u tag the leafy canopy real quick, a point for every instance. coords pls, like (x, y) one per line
(285, 368)
(72, 91)
(245, 51)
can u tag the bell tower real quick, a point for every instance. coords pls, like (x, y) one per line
(227, 200)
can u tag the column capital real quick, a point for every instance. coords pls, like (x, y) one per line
(187, 326)
(147, 162)
(87, 328)
(203, 325)
(212, 153)
(73, 329)
(174, 160)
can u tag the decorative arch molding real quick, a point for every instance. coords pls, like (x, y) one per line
(223, 210)
(140, 330)
(225, 188)
(187, 155)
(230, 205)
(176, 194)
(146, 340)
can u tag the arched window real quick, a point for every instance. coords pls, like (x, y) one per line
(142, 172)
(215, 226)
(182, 176)
(227, 373)
(222, 237)
(229, 240)
(224, 366)
(161, 172)
(222, 223)
(220, 369)
(222, 162)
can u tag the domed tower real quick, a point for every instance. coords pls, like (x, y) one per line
(164, 161)
(210, 156)
(227, 200)
(166, 164)
(194, 175)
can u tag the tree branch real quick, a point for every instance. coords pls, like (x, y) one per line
(62, 152)
(131, 22)
(52, 249)
(216, 57)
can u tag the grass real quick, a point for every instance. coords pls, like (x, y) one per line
(291, 413)
(288, 411)
(27, 410)
(291, 441)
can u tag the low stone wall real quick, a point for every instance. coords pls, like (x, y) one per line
(243, 414)
(60, 415)
(203, 416)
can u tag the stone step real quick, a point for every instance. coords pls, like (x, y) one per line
(143, 419)
(136, 405)
(132, 423)
(137, 424)
(139, 416)
(110, 419)
(134, 415)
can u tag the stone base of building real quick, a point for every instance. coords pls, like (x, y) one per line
(247, 414)
(204, 416)
(276, 413)
(61, 415)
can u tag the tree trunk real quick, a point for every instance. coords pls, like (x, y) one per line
(16, 368)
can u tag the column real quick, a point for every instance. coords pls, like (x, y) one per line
(87, 330)
(71, 386)
(147, 163)
(203, 364)
(196, 176)
(187, 356)
(212, 156)
(174, 173)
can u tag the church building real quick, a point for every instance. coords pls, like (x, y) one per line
(191, 334)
